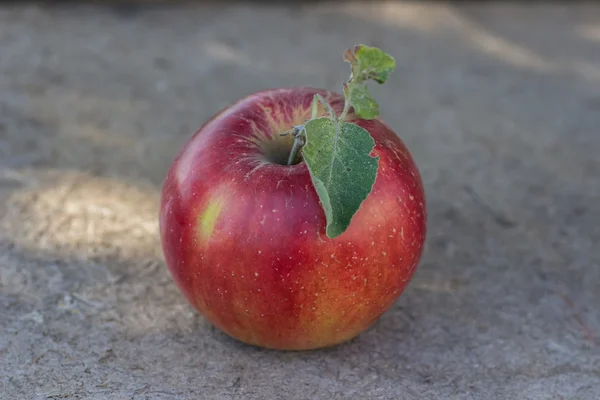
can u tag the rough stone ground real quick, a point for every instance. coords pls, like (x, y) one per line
(500, 105)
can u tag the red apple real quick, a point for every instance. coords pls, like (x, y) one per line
(244, 238)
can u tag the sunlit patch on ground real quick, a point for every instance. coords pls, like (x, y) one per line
(105, 232)
(84, 216)
(448, 21)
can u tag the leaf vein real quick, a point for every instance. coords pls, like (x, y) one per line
(335, 140)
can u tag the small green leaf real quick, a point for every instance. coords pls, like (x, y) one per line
(338, 156)
(363, 102)
(369, 63)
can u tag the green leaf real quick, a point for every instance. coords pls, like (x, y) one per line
(338, 156)
(369, 63)
(362, 101)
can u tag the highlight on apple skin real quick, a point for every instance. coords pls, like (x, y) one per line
(244, 234)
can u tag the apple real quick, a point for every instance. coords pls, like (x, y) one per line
(244, 233)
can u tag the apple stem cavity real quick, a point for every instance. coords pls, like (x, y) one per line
(337, 152)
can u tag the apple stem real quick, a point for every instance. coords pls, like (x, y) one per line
(298, 131)
(294, 152)
(298, 134)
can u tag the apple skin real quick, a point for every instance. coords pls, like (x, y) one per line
(244, 238)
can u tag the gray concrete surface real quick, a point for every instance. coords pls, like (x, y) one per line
(500, 105)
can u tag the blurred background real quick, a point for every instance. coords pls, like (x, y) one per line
(499, 103)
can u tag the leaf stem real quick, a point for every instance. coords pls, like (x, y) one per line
(345, 110)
